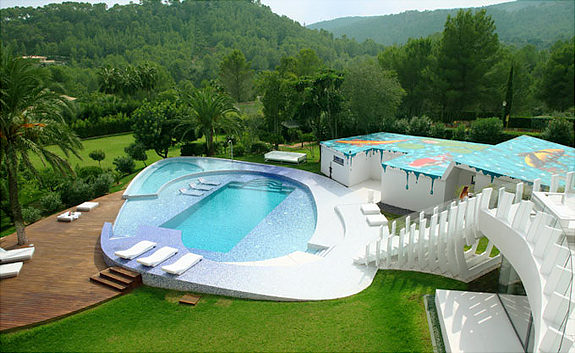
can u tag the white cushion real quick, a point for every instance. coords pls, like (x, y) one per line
(183, 264)
(376, 220)
(10, 270)
(16, 254)
(69, 216)
(136, 250)
(158, 256)
(370, 208)
(87, 206)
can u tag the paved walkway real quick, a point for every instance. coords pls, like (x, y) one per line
(55, 282)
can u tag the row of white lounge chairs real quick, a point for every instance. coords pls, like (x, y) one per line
(183, 264)
(11, 261)
(197, 189)
(72, 216)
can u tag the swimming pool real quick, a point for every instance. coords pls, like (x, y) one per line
(248, 216)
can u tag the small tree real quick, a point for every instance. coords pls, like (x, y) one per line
(419, 126)
(137, 151)
(488, 130)
(124, 164)
(560, 131)
(98, 155)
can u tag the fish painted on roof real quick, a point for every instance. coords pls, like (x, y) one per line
(367, 142)
(430, 161)
(542, 158)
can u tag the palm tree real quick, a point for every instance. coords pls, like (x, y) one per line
(210, 110)
(30, 119)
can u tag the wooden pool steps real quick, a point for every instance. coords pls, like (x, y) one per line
(118, 278)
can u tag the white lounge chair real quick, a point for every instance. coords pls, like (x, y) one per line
(376, 220)
(23, 254)
(185, 191)
(370, 208)
(10, 270)
(200, 187)
(206, 182)
(136, 250)
(87, 206)
(69, 216)
(183, 264)
(158, 256)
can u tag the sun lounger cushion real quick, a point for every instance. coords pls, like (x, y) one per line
(158, 256)
(69, 216)
(136, 250)
(87, 206)
(185, 191)
(10, 270)
(370, 208)
(376, 220)
(15, 255)
(206, 182)
(183, 264)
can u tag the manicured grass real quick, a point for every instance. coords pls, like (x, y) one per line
(388, 316)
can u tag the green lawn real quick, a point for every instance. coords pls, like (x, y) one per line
(388, 316)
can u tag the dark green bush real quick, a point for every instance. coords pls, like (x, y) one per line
(97, 155)
(102, 184)
(260, 147)
(489, 130)
(419, 126)
(111, 124)
(401, 126)
(193, 149)
(559, 130)
(137, 151)
(89, 173)
(51, 202)
(31, 215)
(459, 133)
(239, 151)
(75, 192)
(124, 164)
(439, 130)
(308, 137)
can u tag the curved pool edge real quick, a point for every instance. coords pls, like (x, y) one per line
(330, 277)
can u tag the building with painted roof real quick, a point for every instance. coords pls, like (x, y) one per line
(420, 172)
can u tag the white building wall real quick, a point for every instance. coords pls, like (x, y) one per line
(339, 173)
(417, 196)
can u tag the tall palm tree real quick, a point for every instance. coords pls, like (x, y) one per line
(30, 119)
(210, 110)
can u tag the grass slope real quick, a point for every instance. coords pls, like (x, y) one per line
(388, 316)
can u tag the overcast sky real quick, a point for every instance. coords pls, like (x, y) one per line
(310, 11)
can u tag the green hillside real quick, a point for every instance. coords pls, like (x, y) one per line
(540, 23)
(187, 38)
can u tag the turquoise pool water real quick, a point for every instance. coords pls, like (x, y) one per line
(221, 220)
(165, 173)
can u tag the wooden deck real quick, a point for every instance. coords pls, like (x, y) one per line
(56, 281)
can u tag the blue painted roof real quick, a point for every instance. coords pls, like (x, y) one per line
(423, 155)
(525, 157)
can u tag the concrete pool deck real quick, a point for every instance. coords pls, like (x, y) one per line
(297, 276)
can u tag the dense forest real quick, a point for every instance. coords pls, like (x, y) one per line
(539, 23)
(187, 39)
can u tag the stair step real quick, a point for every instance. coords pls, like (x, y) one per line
(125, 273)
(96, 278)
(113, 276)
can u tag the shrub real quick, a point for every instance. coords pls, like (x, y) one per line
(401, 126)
(124, 164)
(559, 131)
(308, 137)
(260, 147)
(31, 215)
(51, 202)
(193, 149)
(89, 174)
(97, 155)
(137, 151)
(439, 130)
(488, 130)
(419, 126)
(75, 192)
(459, 133)
(101, 186)
(239, 150)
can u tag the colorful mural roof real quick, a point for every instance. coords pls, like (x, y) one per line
(526, 158)
(423, 155)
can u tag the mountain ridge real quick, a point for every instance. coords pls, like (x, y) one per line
(518, 23)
